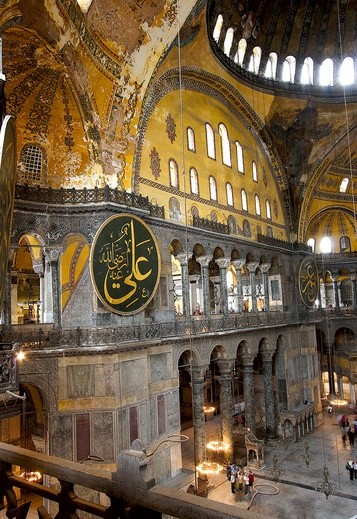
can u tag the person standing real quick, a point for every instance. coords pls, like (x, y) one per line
(349, 465)
(355, 468)
(233, 478)
(351, 436)
(251, 481)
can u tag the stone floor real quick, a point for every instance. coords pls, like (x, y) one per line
(294, 491)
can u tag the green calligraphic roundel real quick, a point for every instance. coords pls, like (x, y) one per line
(308, 281)
(125, 264)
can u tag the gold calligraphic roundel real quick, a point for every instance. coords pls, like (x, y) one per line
(308, 282)
(125, 264)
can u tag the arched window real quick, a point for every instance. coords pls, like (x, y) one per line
(173, 168)
(345, 243)
(31, 164)
(257, 204)
(240, 157)
(344, 185)
(191, 144)
(244, 200)
(347, 72)
(326, 73)
(225, 144)
(288, 72)
(268, 209)
(270, 70)
(326, 245)
(228, 41)
(194, 181)
(229, 191)
(270, 231)
(217, 28)
(242, 47)
(211, 148)
(212, 188)
(254, 61)
(307, 72)
(254, 171)
(311, 243)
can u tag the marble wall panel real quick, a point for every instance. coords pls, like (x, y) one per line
(134, 375)
(61, 435)
(102, 435)
(158, 367)
(81, 381)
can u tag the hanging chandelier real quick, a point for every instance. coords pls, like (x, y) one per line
(209, 468)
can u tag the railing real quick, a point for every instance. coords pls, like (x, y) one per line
(50, 196)
(43, 337)
(210, 225)
(108, 336)
(131, 491)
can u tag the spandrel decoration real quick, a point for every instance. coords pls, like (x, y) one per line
(125, 264)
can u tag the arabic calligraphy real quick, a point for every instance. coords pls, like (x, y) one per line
(308, 282)
(125, 264)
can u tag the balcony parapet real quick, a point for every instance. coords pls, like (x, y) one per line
(84, 197)
(131, 492)
(42, 338)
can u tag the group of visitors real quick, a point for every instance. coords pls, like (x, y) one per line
(349, 432)
(241, 479)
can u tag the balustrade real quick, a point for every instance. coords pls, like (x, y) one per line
(130, 491)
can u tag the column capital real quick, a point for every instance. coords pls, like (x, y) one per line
(238, 263)
(38, 267)
(248, 360)
(223, 262)
(182, 259)
(53, 253)
(225, 365)
(267, 355)
(198, 373)
(252, 266)
(264, 267)
(203, 261)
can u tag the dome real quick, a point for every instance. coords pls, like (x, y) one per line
(291, 45)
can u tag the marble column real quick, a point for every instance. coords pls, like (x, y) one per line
(269, 394)
(354, 290)
(199, 425)
(225, 368)
(238, 264)
(252, 266)
(38, 268)
(223, 263)
(53, 255)
(248, 385)
(335, 291)
(264, 267)
(340, 387)
(182, 258)
(204, 262)
(352, 394)
(330, 370)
